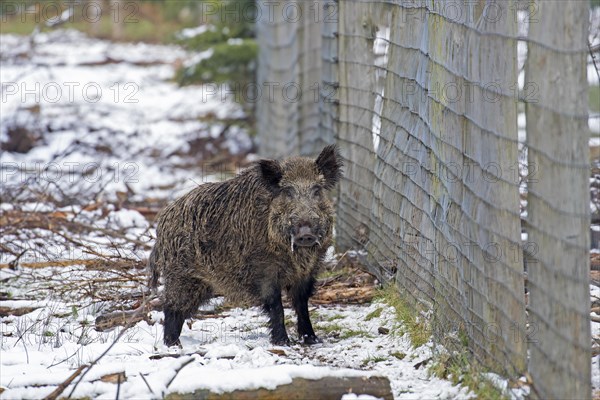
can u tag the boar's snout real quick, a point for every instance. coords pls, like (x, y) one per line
(304, 234)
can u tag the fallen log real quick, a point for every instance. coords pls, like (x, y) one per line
(343, 294)
(61, 388)
(301, 389)
(92, 263)
(17, 311)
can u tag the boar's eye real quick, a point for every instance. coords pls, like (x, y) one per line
(317, 191)
(288, 192)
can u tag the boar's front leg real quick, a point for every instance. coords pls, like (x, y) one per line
(300, 295)
(274, 308)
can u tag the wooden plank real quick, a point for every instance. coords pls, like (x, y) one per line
(353, 130)
(278, 72)
(558, 200)
(491, 69)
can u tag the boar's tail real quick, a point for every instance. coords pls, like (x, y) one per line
(153, 269)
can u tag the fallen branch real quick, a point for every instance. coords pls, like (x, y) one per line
(182, 366)
(63, 386)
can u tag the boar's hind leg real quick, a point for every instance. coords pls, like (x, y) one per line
(300, 295)
(274, 307)
(182, 297)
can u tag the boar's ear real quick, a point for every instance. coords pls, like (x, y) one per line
(330, 165)
(271, 172)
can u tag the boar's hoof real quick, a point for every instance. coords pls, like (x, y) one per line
(311, 339)
(282, 341)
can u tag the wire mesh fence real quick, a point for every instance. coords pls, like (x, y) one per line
(443, 181)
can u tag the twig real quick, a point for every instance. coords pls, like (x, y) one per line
(118, 386)
(119, 336)
(15, 263)
(179, 369)
(62, 361)
(147, 384)
(63, 386)
(175, 355)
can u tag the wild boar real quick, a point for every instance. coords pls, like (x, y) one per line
(252, 237)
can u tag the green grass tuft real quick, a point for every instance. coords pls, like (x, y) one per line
(399, 355)
(330, 328)
(460, 370)
(334, 317)
(372, 359)
(418, 330)
(374, 314)
(348, 333)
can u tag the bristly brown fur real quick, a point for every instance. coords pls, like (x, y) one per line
(235, 237)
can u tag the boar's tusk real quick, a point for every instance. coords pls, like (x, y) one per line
(292, 236)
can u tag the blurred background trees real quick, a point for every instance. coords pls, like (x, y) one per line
(221, 30)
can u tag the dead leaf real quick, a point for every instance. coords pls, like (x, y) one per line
(118, 377)
(277, 352)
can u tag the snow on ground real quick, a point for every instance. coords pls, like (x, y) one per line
(227, 351)
(109, 113)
